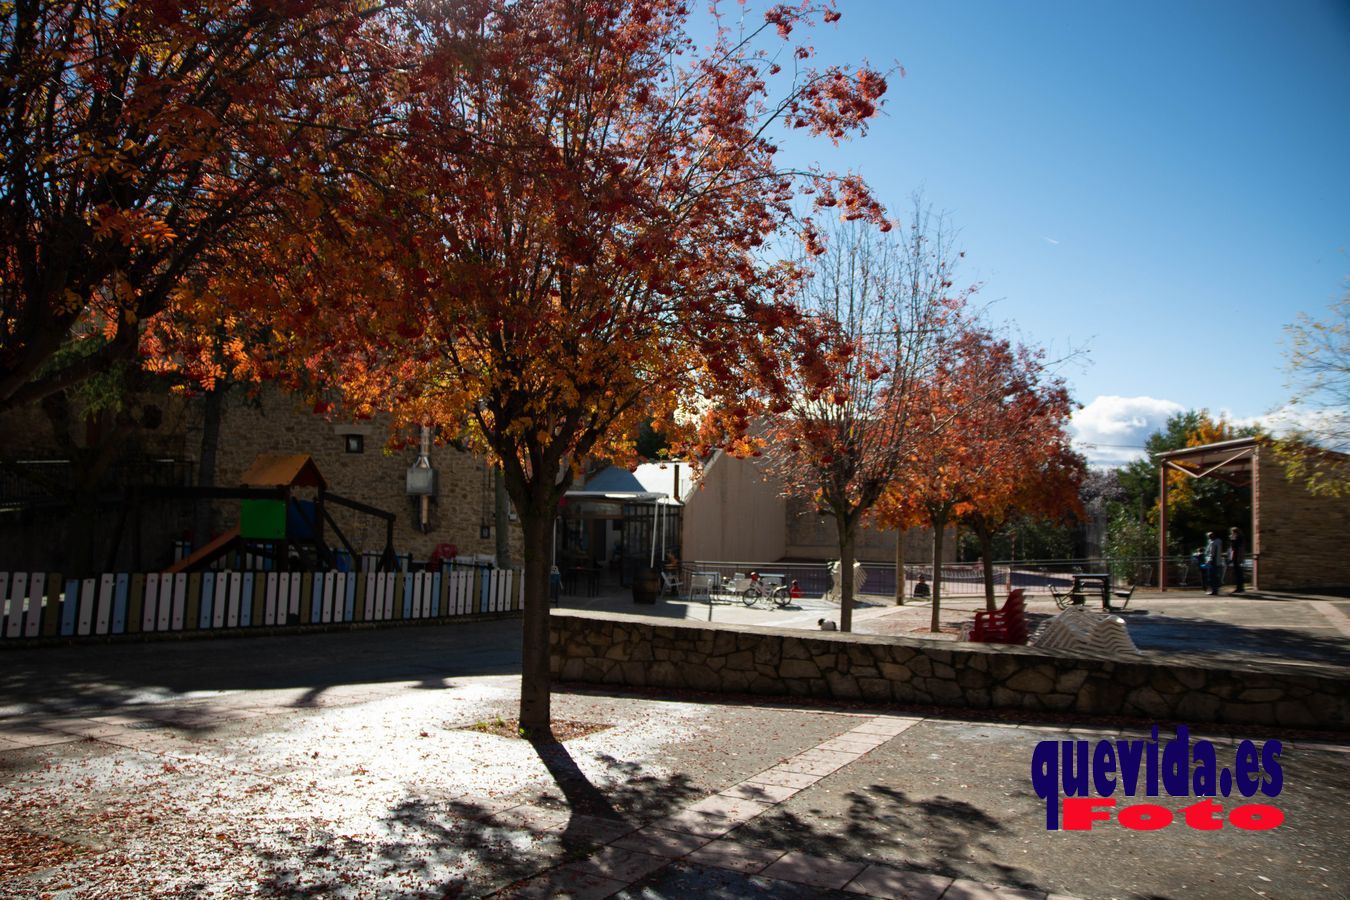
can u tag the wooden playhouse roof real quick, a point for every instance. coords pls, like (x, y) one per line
(283, 470)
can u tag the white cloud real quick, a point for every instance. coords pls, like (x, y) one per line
(1110, 431)
(1327, 426)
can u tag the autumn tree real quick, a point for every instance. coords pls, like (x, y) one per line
(135, 139)
(1038, 480)
(880, 307)
(994, 413)
(564, 242)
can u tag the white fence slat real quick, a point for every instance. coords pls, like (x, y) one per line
(329, 586)
(390, 585)
(270, 604)
(180, 586)
(103, 617)
(34, 617)
(88, 600)
(164, 611)
(4, 597)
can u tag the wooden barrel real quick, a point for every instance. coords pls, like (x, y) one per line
(646, 586)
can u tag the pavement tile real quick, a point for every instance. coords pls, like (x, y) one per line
(889, 882)
(808, 766)
(604, 830)
(40, 738)
(816, 754)
(965, 889)
(781, 776)
(890, 727)
(730, 854)
(660, 842)
(846, 746)
(699, 823)
(565, 883)
(729, 807)
(817, 871)
(683, 879)
(765, 793)
(619, 864)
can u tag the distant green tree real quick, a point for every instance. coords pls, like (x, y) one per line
(1195, 505)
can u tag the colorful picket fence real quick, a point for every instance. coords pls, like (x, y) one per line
(43, 604)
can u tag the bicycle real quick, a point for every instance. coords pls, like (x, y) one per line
(751, 590)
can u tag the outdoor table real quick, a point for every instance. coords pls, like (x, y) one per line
(1096, 582)
(702, 584)
(773, 579)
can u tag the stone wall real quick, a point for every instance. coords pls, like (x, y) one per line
(281, 423)
(638, 651)
(1301, 538)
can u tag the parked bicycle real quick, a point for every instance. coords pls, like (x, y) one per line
(752, 589)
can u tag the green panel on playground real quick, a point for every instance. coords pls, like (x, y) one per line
(262, 520)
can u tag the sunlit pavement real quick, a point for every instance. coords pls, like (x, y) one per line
(348, 764)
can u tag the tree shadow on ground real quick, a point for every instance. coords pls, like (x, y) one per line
(929, 833)
(1213, 637)
(451, 847)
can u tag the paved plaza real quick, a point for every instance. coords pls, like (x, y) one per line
(363, 764)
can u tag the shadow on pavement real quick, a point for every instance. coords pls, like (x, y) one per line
(1212, 636)
(140, 679)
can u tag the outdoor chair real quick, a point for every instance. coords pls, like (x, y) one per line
(1063, 596)
(1005, 625)
(1123, 595)
(670, 584)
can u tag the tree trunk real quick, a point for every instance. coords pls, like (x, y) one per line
(900, 567)
(986, 554)
(212, 405)
(939, 528)
(846, 579)
(501, 519)
(535, 696)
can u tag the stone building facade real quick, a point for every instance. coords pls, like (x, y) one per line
(356, 464)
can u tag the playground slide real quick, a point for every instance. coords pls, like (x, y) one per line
(206, 552)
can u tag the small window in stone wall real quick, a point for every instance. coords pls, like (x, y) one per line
(355, 443)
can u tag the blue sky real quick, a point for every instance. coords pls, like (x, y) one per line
(1162, 185)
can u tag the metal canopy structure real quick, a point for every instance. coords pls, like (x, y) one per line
(1232, 461)
(1294, 537)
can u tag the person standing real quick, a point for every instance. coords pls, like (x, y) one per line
(1211, 567)
(1237, 554)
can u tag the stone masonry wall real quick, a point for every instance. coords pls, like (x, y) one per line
(281, 423)
(640, 652)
